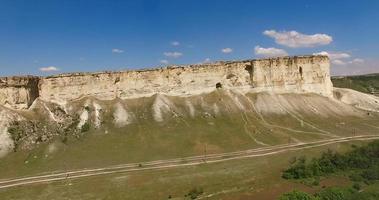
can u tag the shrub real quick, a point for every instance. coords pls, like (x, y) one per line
(296, 195)
(65, 139)
(16, 133)
(331, 194)
(87, 108)
(364, 158)
(357, 186)
(371, 173)
(194, 193)
(85, 127)
(356, 177)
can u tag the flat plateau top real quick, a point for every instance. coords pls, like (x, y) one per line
(171, 67)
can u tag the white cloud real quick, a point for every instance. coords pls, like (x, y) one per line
(173, 54)
(227, 50)
(164, 61)
(357, 61)
(342, 64)
(117, 51)
(207, 60)
(355, 67)
(175, 43)
(340, 58)
(354, 61)
(49, 69)
(269, 52)
(295, 39)
(334, 56)
(338, 62)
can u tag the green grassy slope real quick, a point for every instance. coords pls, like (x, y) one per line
(221, 122)
(364, 83)
(225, 129)
(258, 178)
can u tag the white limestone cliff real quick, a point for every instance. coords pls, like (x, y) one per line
(299, 74)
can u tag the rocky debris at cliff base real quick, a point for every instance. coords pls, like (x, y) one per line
(26, 134)
(40, 124)
(83, 117)
(191, 108)
(121, 117)
(40, 127)
(6, 142)
(161, 106)
(97, 111)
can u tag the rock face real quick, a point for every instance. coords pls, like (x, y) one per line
(292, 75)
(303, 74)
(18, 92)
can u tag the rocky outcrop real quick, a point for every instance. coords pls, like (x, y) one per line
(299, 74)
(292, 75)
(282, 75)
(18, 92)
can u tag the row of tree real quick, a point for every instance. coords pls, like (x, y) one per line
(361, 165)
(362, 162)
(332, 193)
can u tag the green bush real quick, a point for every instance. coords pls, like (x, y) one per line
(64, 139)
(16, 133)
(194, 193)
(357, 186)
(86, 127)
(365, 159)
(362, 163)
(371, 174)
(297, 195)
(87, 108)
(356, 177)
(331, 194)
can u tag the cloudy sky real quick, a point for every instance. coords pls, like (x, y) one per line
(46, 37)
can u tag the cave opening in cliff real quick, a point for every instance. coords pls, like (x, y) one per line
(301, 71)
(218, 85)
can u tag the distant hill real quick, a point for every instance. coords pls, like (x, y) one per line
(368, 83)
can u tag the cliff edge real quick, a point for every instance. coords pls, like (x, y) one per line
(298, 74)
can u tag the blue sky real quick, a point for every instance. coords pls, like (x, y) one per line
(46, 37)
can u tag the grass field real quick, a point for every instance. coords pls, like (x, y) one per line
(221, 123)
(258, 178)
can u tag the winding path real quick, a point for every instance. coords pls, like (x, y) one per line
(178, 162)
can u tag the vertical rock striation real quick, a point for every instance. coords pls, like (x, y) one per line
(299, 74)
(18, 92)
(292, 75)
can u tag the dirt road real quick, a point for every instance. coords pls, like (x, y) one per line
(179, 162)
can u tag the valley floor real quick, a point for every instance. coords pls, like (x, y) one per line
(256, 177)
